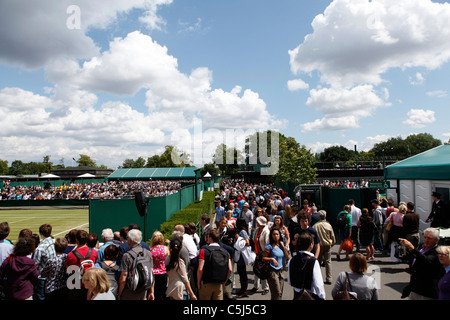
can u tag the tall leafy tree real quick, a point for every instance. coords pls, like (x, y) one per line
(227, 159)
(3, 167)
(418, 143)
(296, 162)
(86, 161)
(285, 158)
(336, 153)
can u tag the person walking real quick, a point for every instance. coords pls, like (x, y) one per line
(212, 274)
(178, 286)
(356, 214)
(304, 269)
(159, 252)
(262, 237)
(345, 229)
(362, 286)
(277, 254)
(367, 230)
(134, 239)
(327, 241)
(378, 219)
(396, 231)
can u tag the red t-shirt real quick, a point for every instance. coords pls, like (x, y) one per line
(72, 259)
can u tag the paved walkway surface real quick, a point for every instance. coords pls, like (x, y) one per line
(391, 278)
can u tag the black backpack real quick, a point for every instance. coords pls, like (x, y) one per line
(342, 220)
(216, 267)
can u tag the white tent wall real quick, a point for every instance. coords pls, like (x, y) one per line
(423, 201)
(419, 192)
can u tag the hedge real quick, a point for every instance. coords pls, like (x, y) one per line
(191, 213)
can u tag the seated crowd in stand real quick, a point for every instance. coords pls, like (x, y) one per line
(97, 190)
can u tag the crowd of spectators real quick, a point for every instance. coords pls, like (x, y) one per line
(91, 190)
(346, 184)
(250, 220)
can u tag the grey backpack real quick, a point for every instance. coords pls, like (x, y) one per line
(140, 275)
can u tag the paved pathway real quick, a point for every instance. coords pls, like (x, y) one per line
(391, 277)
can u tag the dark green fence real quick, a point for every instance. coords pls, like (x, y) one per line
(41, 203)
(116, 214)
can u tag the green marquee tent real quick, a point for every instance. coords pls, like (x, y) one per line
(432, 164)
(153, 173)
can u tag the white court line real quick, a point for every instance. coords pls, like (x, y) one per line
(22, 220)
(65, 231)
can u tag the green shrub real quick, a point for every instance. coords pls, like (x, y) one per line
(191, 213)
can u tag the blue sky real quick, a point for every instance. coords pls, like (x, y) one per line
(122, 79)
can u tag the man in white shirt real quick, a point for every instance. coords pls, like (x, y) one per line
(356, 214)
(188, 242)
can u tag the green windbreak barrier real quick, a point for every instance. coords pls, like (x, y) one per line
(116, 214)
(334, 200)
(153, 173)
(43, 203)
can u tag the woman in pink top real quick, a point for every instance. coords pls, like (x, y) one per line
(159, 252)
(397, 228)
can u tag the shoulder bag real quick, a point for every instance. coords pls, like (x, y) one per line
(345, 295)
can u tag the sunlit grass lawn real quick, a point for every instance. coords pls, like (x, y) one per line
(62, 220)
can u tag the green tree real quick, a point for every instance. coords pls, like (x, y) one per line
(86, 161)
(336, 154)
(17, 168)
(287, 160)
(393, 148)
(296, 162)
(227, 159)
(418, 143)
(3, 167)
(172, 157)
(211, 168)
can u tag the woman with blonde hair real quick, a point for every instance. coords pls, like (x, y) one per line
(96, 282)
(396, 230)
(159, 252)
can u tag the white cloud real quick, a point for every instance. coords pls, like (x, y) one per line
(355, 42)
(70, 120)
(17, 99)
(35, 33)
(418, 79)
(342, 107)
(437, 93)
(148, 66)
(297, 84)
(190, 27)
(346, 44)
(418, 118)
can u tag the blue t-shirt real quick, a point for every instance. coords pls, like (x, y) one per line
(278, 254)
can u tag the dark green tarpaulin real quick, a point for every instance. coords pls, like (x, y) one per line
(432, 164)
(154, 173)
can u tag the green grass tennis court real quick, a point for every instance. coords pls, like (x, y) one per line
(62, 220)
